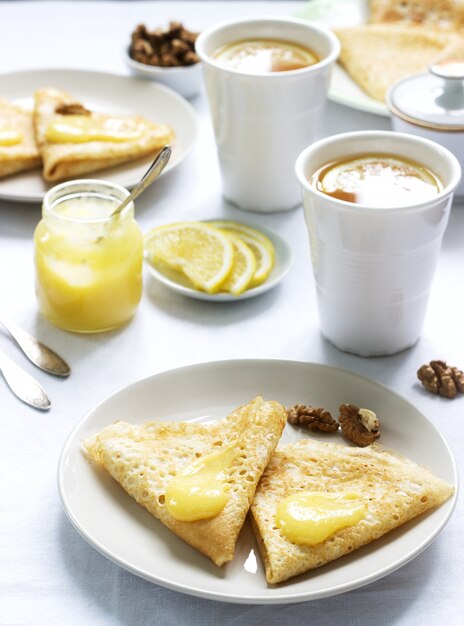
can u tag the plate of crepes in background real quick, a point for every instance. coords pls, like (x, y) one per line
(58, 125)
(216, 260)
(384, 41)
(161, 481)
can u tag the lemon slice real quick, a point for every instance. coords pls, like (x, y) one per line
(243, 268)
(241, 229)
(260, 245)
(202, 252)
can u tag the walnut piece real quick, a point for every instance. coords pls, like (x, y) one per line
(312, 417)
(441, 379)
(361, 426)
(170, 47)
(72, 108)
(369, 420)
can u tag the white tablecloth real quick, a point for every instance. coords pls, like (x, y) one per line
(48, 573)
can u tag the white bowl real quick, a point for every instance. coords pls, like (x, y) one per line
(186, 80)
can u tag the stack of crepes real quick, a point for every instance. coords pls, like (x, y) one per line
(69, 140)
(201, 480)
(400, 39)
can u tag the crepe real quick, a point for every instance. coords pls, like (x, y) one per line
(18, 156)
(393, 488)
(377, 55)
(445, 14)
(68, 159)
(145, 458)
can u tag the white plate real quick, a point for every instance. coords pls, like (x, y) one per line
(343, 89)
(128, 535)
(111, 94)
(177, 282)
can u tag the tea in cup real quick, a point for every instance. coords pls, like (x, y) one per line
(376, 206)
(266, 81)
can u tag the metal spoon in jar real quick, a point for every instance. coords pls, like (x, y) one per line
(39, 354)
(150, 175)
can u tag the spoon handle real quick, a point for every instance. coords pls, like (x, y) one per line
(152, 172)
(39, 354)
(23, 385)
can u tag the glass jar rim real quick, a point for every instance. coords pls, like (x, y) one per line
(91, 186)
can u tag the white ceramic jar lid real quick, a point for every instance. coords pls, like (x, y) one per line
(434, 100)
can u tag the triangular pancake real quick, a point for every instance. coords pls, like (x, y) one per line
(445, 14)
(145, 458)
(25, 154)
(393, 488)
(377, 55)
(71, 160)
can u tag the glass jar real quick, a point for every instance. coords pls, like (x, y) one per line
(88, 264)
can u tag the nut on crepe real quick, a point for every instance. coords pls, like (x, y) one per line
(377, 55)
(70, 159)
(393, 489)
(145, 458)
(23, 155)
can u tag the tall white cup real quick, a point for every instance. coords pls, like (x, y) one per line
(263, 121)
(374, 267)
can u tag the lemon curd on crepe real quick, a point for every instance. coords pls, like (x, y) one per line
(200, 490)
(260, 56)
(309, 517)
(377, 180)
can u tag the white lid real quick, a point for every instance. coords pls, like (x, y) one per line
(434, 100)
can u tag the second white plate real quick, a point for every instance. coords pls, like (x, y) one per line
(111, 94)
(343, 89)
(126, 533)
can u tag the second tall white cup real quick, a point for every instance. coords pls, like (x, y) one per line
(263, 121)
(374, 266)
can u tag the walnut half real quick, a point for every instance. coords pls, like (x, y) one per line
(361, 426)
(439, 378)
(312, 417)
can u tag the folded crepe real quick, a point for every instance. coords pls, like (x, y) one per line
(444, 14)
(18, 148)
(74, 141)
(146, 458)
(392, 488)
(377, 55)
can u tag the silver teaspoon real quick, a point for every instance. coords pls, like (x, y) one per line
(39, 354)
(150, 175)
(23, 385)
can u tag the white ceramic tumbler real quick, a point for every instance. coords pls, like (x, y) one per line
(374, 267)
(263, 121)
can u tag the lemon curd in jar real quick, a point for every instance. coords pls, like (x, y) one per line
(88, 264)
(377, 180)
(260, 56)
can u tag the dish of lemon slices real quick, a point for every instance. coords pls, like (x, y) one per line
(216, 260)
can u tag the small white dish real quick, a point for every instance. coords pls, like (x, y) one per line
(114, 524)
(178, 282)
(186, 80)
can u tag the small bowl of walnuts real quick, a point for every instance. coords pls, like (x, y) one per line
(166, 55)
